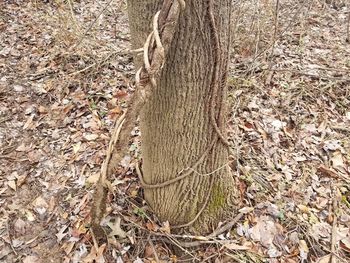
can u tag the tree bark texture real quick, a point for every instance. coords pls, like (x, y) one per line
(140, 18)
(176, 128)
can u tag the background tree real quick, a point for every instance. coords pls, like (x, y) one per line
(182, 121)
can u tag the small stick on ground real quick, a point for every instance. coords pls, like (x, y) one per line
(227, 226)
(334, 230)
(348, 27)
(10, 238)
(154, 251)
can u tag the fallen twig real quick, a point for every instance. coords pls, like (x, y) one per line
(227, 226)
(334, 229)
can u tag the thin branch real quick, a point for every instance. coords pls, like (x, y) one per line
(74, 19)
(348, 26)
(91, 24)
(334, 229)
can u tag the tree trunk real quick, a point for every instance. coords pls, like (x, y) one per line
(176, 128)
(140, 17)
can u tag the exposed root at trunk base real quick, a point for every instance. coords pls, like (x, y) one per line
(118, 147)
(99, 201)
(97, 211)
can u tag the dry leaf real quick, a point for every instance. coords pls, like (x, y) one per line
(76, 147)
(337, 160)
(29, 123)
(151, 226)
(42, 109)
(166, 227)
(21, 148)
(264, 231)
(234, 246)
(246, 210)
(348, 115)
(95, 256)
(345, 244)
(60, 235)
(303, 208)
(21, 179)
(52, 204)
(31, 259)
(325, 259)
(116, 229)
(327, 172)
(149, 252)
(303, 249)
(40, 205)
(92, 179)
(67, 247)
(30, 216)
(12, 185)
(90, 137)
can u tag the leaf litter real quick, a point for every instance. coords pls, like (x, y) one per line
(65, 79)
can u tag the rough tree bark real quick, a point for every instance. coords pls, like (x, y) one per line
(176, 127)
(140, 16)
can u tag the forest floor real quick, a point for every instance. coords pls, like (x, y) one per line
(65, 77)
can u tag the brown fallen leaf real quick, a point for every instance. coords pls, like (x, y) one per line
(34, 156)
(20, 226)
(149, 252)
(12, 185)
(325, 259)
(76, 147)
(31, 259)
(67, 247)
(121, 94)
(151, 226)
(166, 227)
(22, 148)
(323, 170)
(337, 160)
(42, 109)
(95, 256)
(345, 244)
(92, 179)
(29, 123)
(21, 179)
(116, 228)
(90, 137)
